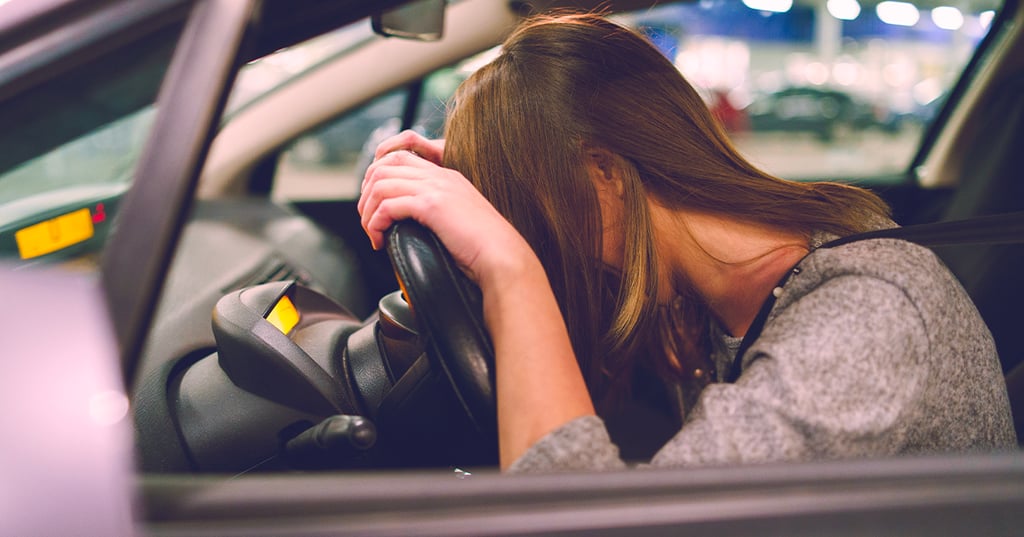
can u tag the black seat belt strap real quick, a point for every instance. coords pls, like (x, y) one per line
(1005, 228)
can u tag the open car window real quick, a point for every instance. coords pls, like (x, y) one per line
(328, 163)
(836, 91)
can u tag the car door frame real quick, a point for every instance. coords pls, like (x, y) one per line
(190, 104)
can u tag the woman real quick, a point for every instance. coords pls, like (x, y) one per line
(613, 229)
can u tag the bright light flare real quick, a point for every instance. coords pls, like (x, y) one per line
(775, 6)
(108, 407)
(846, 73)
(898, 13)
(846, 10)
(985, 18)
(947, 18)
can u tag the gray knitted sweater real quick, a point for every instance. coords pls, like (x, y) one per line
(872, 349)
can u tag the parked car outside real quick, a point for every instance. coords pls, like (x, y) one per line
(825, 113)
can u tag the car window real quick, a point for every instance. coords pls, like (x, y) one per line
(328, 163)
(62, 174)
(827, 90)
(104, 156)
(325, 163)
(833, 90)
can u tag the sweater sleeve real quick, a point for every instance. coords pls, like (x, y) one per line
(581, 444)
(837, 373)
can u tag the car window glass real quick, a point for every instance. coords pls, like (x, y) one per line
(328, 163)
(106, 155)
(266, 75)
(62, 175)
(807, 92)
(824, 90)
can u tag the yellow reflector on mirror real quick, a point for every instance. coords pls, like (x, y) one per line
(54, 234)
(284, 316)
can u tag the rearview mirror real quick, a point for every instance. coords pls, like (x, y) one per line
(422, 20)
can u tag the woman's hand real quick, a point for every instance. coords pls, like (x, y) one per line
(539, 385)
(406, 180)
(409, 140)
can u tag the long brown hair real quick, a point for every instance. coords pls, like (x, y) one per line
(518, 128)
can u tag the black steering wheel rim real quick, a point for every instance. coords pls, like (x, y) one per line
(449, 313)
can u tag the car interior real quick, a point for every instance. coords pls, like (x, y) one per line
(951, 179)
(282, 341)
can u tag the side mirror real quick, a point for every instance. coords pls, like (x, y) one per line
(421, 20)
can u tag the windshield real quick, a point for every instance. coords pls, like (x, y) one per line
(71, 150)
(828, 90)
(831, 91)
(269, 73)
(105, 156)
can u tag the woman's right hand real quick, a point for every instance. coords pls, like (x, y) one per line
(410, 140)
(406, 180)
(538, 383)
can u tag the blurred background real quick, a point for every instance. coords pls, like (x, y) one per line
(808, 89)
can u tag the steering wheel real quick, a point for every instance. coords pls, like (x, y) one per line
(449, 312)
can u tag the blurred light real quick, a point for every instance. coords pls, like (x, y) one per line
(985, 18)
(927, 91)
(816, 73)
(775, 6)
(770, 81)
(108, 408)
(899, 74)
(846, 10)
(947, 18)
(846, 73)
(898, 13)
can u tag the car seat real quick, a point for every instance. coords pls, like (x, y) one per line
(991, 274)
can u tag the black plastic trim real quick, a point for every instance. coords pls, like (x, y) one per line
(69, 34)
(189, 107)
(910, 496)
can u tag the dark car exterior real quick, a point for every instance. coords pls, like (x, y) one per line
(825, 113)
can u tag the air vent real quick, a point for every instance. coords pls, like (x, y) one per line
(275, 270)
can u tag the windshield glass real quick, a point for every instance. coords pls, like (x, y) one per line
(823, 90)
(105, 156)
(269, 73)
(830, 91)
(79, 138)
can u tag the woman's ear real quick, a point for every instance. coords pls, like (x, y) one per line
(605, 170)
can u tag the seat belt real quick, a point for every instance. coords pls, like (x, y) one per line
(1006, 228)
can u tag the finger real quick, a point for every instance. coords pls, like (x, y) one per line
(390, 211)
(388, 189)
(403, 140)
(385, 172)
(393, 159)
(412, 141)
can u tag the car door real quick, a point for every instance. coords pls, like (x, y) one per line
(68, 69)
(64, 326)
